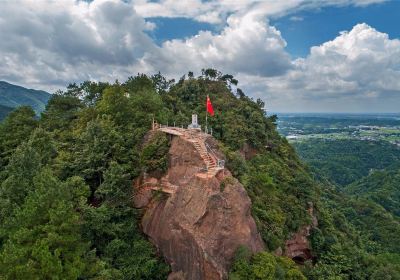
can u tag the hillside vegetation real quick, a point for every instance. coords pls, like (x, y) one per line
(14, 96)
(4, 110)
(381, 187)
(65, 194)
(346, 161)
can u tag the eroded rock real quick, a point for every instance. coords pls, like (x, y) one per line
(198, 226)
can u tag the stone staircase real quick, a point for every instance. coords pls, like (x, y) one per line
(205, 155)
(199, 144)
(197, 138)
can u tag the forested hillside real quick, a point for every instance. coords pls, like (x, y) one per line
(345, 161)
(360, 182)
(14, 96)
(4, 110)
(380, 186)
(66, 187)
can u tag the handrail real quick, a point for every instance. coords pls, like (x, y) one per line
(211, 150)
(220, 162)
(190, 135)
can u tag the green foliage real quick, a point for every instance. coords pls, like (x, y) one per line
(286, 191)
(263, 266)
(380, 187)
(351, 237)
(154, 156)
(89, 92)
(54, 224)
(60, 114)
(14, 130)
(235, 163)
(43, 240)
(65, 185)
(96, 146)
(346, 161)
(25, 163)
(118, 240)
(358, 222)
(4, 111)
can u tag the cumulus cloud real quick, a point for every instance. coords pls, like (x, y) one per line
(51, 43)
(216, 11)
(362, 65)
(246, 45)
(57, 41)
(48, 44)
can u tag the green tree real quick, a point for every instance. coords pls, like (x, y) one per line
(117, 238)
(263, 266)
(154, 156)
(60, 113)
(44, 241)
(14, 130)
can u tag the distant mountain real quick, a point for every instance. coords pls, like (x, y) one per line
(14, 96)
(4, 110)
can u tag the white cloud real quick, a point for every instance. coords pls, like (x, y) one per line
(246, 45)
(216, 11)
(296, 18)
(48, 44)
(201, 11)
(357, 66)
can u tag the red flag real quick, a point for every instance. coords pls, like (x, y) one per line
(210, 109)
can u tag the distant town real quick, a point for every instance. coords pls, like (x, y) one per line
(334, 127)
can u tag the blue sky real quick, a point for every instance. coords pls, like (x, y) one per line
(177, 28)
(302, 29)
(292, 53)
(305, 29)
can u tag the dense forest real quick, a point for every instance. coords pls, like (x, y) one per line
(66, 199)
(4, 111)
(344, 161)
(381, 187)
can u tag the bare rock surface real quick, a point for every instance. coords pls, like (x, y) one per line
(198, 226)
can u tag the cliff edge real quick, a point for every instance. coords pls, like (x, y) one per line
(196, 214)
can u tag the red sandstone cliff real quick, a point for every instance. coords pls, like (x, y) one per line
(197, 221)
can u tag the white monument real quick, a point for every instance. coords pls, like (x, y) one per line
(194, 124)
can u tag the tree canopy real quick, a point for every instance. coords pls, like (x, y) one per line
(65, 186)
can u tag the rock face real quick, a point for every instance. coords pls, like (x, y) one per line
(298, 247)
(199, 221)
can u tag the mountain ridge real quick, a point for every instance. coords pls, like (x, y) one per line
(13, 96)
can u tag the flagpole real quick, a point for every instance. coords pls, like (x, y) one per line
(205, 130)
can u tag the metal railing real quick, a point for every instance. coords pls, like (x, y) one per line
(220, 162)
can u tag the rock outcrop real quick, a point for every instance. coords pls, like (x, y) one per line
(196, 219)
(298, 247)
